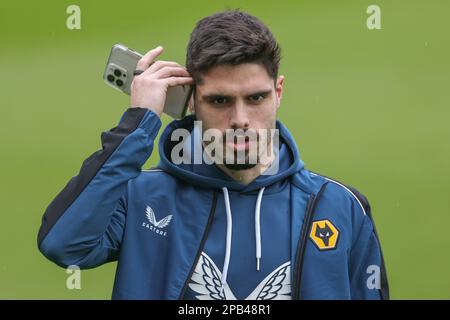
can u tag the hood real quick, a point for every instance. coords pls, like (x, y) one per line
(209, 175)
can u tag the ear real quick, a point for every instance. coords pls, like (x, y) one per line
(279, 89)
(191, 104)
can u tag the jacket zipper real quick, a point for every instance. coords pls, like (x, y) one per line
(301, 246)
(202, 244)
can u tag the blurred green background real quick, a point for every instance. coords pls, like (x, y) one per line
(368, 107)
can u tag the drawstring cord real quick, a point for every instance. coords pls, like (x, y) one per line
(228, 240)
(258, 227)
(229, 233)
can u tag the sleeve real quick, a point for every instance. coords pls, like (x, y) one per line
(368, 278)
(84, 224)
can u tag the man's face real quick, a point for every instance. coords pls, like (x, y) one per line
(243, 97)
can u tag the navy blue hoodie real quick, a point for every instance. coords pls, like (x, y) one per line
(190, 232)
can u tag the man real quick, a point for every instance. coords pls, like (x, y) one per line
(226, 230)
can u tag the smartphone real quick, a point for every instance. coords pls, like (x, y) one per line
(119, 75)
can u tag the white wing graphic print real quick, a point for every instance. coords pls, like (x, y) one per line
(164, 222)
(206, 281)
(151, 216)
(276, 286)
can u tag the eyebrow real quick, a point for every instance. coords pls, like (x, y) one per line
(212, 96)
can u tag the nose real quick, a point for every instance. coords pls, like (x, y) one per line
(239, 119)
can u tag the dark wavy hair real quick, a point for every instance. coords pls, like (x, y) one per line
(231, 37)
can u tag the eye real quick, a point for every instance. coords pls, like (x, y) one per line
(321, 235)
(219, 101)
(328, 234)
(257, 98)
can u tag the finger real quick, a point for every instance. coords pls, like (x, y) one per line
(148, 58)
(166, 72)
(157, 65)
(177, 81)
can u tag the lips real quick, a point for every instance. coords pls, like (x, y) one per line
(239, 146)
(242, 145)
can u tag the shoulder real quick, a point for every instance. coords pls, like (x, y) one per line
(343, 191)
(335, 191)
(341, 203)
(154, 177)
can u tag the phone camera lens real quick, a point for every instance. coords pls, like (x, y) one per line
(110, 78)
(117, 73)
(119, 83)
